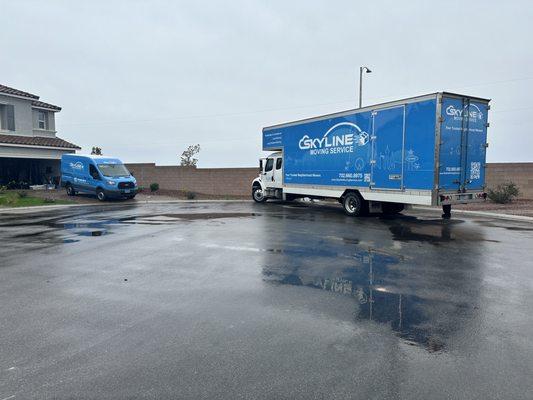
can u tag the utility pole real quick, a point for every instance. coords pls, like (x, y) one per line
(361, 70)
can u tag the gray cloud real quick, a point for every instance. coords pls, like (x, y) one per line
(145, 79)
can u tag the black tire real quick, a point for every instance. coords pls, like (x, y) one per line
(392, 208)
(354, 205)
(70, 190)
(290, 197)
(257, 194)
(447, 211)
(100, 195)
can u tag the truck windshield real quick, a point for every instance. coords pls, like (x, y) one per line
(113, 170)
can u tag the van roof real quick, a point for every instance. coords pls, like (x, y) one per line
(93, 157)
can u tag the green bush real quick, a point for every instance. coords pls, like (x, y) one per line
(140, 189)
(504, 193)
(154, 187)
(12, 185)
(190, 195)
(3, 188)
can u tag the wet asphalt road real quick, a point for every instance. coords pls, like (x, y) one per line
(237, 300)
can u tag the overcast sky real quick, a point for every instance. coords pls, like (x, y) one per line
(143, 80)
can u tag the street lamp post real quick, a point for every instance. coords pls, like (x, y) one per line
(361, 70)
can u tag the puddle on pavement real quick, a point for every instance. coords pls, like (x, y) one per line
(56, 230)
(384, 289)
(412, 229)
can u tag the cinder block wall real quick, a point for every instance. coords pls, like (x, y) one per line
(237, 181)
(213, 181)
(519, 173)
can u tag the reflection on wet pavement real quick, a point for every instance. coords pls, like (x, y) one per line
(372, 281)
(209, 296)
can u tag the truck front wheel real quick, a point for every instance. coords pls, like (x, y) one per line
(257, 194)
(354, 204)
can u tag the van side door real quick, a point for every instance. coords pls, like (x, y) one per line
(95, 179)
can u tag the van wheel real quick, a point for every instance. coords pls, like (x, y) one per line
(257, 194)
(100, 194)
(354, 205)
(70, 190)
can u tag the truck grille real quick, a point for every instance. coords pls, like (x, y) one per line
(126, 185)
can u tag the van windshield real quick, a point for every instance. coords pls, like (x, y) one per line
(113, 170)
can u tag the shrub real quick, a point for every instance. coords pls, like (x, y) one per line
(154, 187)
(140, 189)
(504, 193)
(12, 185)
(3, 188)
(22, 194)
(190, 195)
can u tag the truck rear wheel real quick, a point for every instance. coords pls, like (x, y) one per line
(257, 194)
(354, 205)
(392, 208)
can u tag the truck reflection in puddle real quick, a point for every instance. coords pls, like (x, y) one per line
(388, 290)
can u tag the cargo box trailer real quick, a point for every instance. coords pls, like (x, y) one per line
(426, 150)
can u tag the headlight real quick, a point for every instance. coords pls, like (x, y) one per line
(112, 183)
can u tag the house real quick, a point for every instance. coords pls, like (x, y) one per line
(30, 150)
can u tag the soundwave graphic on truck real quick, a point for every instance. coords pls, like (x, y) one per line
(340, 138)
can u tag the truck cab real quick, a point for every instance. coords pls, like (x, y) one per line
(269, 183)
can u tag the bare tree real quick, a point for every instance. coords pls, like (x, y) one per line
(187, 157)
(96, 151)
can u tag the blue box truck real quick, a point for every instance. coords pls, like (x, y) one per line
(105, 177)
(426, 150)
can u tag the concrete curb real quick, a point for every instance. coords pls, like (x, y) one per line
(489, 214)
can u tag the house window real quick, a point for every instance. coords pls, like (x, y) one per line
(7, 117)
(42, 120)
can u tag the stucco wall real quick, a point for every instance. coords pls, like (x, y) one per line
(26, 118)
(23, 115)
(519, 173)
(214, 181)
(237, 181)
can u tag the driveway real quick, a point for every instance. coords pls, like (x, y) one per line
(238, 300)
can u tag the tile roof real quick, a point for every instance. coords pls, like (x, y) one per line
(37, 141)
(16, 92)
(42, 104)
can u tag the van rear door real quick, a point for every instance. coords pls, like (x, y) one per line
(463, 144)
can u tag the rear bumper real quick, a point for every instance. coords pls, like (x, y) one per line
(461, 198)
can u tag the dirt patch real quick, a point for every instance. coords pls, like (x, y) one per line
(522, 207)
(161, 195)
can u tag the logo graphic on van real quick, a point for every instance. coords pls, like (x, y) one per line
(77, 165)
(457, 113)
(339, 135)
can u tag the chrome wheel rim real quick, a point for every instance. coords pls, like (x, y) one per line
(258, 194)
(351, 205)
